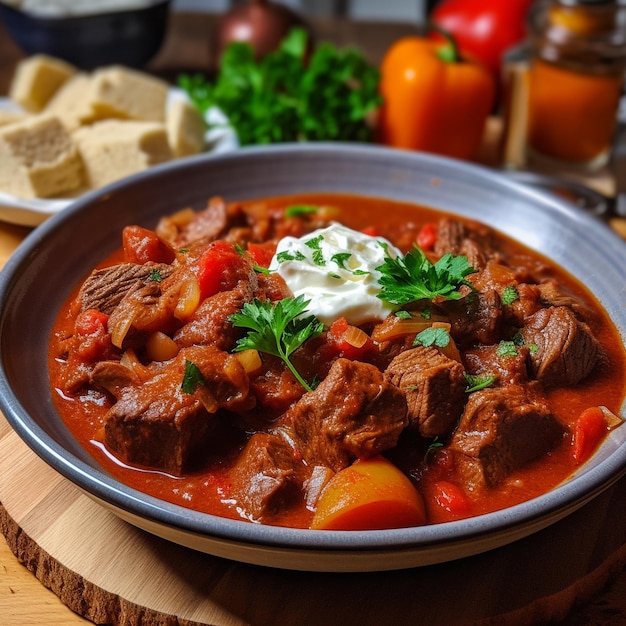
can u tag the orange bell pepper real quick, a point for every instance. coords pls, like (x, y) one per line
(434, 101)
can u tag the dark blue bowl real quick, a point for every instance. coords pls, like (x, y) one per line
(130, 37)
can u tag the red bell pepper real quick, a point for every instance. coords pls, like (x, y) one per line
(589, 429)
(484, 29)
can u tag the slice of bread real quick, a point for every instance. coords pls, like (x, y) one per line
(36, 80)
(39, 158)
(185, 128)
(113, 149)
(72, 102)
(120, 92)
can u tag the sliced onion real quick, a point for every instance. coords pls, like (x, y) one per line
(612, 420)
(355, 336)
(120, 328)
(399, 327)
(160, 347)
(130, 360)
(207, 398)
(188, 299)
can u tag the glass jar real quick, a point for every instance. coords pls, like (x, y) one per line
(573, 80)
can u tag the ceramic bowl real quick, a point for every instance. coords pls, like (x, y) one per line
(58, 254)
(130, 36)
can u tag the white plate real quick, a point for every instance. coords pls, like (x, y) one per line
(32, 212)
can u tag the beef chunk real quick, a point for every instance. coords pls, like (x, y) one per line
(527, 303)
(434, 386)
(507, 368)
(276, 389)
(566, 350)
(457, 238)
(113, 376)
(552, 295)
(503, 429)
(267, 477)
(353, 414)
(206, 225)
(210, 324)
(158, 424)
(104, 288)
(476, 256)
(476, 318)
(143, 308)
(450, 236)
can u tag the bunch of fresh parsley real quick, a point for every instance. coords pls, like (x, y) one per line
(287, 96)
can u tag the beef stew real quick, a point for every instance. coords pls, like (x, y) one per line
(474, 394)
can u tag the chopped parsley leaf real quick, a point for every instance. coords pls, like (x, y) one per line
(510, 294)
(439, 337)
(341, 259)
(317, 255)
(506, 348)
(156, 276)
(478, 381)
(300, 209)
(192, 378)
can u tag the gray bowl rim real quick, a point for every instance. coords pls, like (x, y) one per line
(99, 485)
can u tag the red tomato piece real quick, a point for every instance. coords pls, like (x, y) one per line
(427, 237)
(144, 246)
(90, 322)
(220, 268)
(262, 253)
(589, 430)
(94, 340)
(450, 497)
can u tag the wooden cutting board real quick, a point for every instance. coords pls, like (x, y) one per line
(110, 572)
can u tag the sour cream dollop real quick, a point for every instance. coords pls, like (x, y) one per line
(335, 268)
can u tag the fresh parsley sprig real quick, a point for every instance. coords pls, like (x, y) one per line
(413, 277)
(277, 329)
(288, 96)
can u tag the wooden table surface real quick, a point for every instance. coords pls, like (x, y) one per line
(23, 599)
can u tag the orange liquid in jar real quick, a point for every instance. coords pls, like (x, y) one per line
(572, 115)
